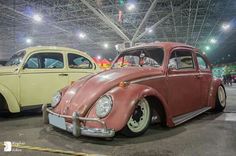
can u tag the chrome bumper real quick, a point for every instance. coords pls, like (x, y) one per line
(75, 128)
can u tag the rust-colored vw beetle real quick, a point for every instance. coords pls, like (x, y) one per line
(169, 82)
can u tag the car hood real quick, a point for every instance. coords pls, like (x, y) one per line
(7, 69)
(81, 96)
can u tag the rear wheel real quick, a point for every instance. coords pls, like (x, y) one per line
(139, 121)
(220, 99)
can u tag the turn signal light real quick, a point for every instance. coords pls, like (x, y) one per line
(123, 84)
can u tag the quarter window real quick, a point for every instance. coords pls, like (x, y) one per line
(45, 61)
(182, 60)
(201, 62)
(79, 62)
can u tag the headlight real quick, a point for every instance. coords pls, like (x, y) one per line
(103, 106)
(56, 99)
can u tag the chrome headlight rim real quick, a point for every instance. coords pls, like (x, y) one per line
(56, 98)
(97, 105)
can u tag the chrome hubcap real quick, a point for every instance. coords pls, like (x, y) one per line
(140, 116)
(221, 96)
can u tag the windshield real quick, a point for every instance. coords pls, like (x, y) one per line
(16, 59)
(140, 57)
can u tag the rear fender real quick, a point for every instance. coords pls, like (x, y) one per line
(11, 100)
(213, 92)
(124, 102)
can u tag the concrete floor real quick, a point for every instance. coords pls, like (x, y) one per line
(208, 134)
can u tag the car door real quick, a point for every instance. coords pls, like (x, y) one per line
(43, 74)
(79, 66)
(205, 79)
(183, 82)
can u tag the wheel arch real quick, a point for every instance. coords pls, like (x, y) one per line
(123, 108)
(156, 105)
(11, 101)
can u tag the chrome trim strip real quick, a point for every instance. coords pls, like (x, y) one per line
(187, 74)
(182, 118)
(205, 73)
(147, 78)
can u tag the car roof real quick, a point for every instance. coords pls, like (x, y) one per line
(57, 48)
(168, 45)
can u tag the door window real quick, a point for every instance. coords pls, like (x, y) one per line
(181, 59)
(45, 61)
(201, 62)
(79, 62)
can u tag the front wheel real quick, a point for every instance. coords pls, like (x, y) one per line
(139, 121)
(220, 99)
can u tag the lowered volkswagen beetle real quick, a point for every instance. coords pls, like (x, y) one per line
(165, 81)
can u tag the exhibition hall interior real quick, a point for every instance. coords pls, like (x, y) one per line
(117, 77)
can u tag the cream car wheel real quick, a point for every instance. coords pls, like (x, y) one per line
(139, 120)
(221, 96)
(220, 99)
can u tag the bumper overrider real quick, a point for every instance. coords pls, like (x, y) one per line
(75, 127)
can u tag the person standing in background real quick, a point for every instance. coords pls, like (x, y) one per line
(227, 75)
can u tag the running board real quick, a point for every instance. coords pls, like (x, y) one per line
(182, 118)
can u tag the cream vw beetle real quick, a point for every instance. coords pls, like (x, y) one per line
(33, 75)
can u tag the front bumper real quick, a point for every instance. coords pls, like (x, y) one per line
(75, 127)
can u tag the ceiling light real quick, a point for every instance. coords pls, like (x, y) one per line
(130, 6)
(37, 17)
(106, 45)
(28, 40)
(225, 26)
(99, 57)
(213, 41)
(207, 48)
(82, 35)
(150, 30)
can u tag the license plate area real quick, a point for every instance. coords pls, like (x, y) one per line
(57, 121)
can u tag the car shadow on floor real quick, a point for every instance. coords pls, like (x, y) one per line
(5, 116)
(155, 132)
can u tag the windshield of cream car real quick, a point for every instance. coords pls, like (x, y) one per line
(141, 57)
(16, 59)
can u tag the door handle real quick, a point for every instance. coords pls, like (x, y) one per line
(63, 74)
(198, 76)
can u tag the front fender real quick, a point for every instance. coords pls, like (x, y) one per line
(124, 101)
(12, 103)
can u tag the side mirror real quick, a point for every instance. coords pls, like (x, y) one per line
(24, 66)
(171, 67)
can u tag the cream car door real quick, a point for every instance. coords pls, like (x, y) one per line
(79, 66)
(43, 74)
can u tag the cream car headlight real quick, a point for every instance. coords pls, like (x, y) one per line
(103, 106)
(56, 99)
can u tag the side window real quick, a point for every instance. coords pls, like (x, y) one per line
(45, 61)
(181, 60)
(201, 62)
(79, 62)
(33, 62)
(173, 61)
